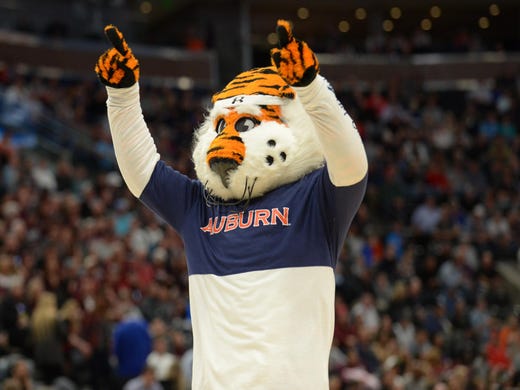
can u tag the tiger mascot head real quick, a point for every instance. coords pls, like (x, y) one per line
(256, 137)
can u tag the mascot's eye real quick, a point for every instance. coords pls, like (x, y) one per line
(221, 124)
(245, 124)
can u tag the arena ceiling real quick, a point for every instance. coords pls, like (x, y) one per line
(162, 21)
(325, 15)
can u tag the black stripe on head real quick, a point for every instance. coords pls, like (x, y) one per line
(269, 111)
(242, 86)
(238, 156)
(272, 86)
(214, 149)
(234, 138)
(246, 79)
(265, 70)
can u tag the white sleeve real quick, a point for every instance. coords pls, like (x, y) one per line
(134, 146)
(342, 145)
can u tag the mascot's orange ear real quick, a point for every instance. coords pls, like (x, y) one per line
(295, 61)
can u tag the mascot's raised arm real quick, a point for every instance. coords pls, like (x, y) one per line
(281, 171)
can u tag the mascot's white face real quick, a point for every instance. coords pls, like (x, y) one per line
(256, 138)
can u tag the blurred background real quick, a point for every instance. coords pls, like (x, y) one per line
(429, 279)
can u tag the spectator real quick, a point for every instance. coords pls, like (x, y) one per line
(145, 381)
(163, 362)
(132, 345)
(78, 350)
(489, 128)
(48, 336)
(20, 377)
(366, 311)
(14, 320)
(426, 216)
(404, 330)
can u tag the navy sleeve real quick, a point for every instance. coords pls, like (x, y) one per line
(171, 195)
(341, 205)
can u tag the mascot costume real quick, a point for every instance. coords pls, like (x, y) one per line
(281, 172)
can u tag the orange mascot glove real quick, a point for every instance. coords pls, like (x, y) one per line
(295, 61)
(117, 67)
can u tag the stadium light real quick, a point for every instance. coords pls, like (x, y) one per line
(435, 11)
(483, 23)
(388, 25)
(344, 26)
(494, 10)
(361, 13)
(426, 24)
(145, 7)
(303, 13)
(395, 13)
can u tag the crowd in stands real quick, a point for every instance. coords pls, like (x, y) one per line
(420, 301)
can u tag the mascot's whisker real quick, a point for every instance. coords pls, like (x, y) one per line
(249, 190)
(212, 200)
(209, 198)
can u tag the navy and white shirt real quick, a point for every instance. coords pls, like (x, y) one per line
(300, 224)
(261, 278)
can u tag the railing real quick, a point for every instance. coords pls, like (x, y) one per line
(188, 69)
(426, 68)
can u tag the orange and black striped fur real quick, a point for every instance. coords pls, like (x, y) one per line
(257, 81)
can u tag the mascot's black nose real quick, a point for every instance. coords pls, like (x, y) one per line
(222, 167)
